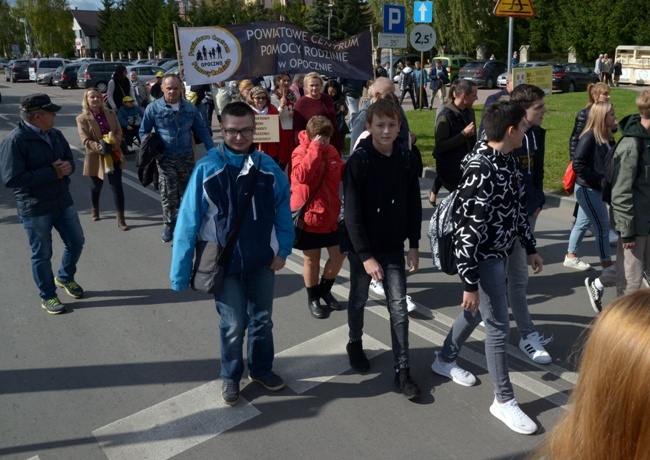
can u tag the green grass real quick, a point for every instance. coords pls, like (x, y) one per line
(558, 122)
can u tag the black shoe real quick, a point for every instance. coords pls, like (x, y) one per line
(358, 360)
(326, 294)
(168, 234)
(408, 387)
(272, 383)
(230, 393)
(71, 288)
(313, 302)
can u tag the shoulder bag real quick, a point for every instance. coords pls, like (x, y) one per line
(298, 215)
(210, 258)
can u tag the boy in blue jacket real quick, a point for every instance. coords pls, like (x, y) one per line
(217, 187)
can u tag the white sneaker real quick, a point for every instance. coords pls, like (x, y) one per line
(410, 305)
(576, 263)
(377, 287)
(613, 238)
(511, 414)
(533, 346)
(453, 371)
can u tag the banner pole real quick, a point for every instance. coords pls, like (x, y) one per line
(178, 52)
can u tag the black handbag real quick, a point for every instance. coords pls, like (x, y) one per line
(298, 215)
(210, 258)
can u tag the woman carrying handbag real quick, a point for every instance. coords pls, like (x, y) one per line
(316, 174)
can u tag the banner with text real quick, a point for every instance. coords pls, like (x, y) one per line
(213, 54)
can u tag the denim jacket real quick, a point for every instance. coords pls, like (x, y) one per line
(175, 130)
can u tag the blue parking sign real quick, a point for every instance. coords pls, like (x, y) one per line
(423, 12)
(394, 19)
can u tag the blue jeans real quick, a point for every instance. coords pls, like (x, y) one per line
(39, 232)
(518, 283)
(493, 309)
(246, 302)
(592, 210)
(395, 286)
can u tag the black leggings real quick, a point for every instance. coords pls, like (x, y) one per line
(115, 181)
(438, 183)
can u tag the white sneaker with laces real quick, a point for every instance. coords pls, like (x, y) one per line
(377, 287)
(613, 238)
(511, 414)
(453, 371)
(410, 305)
(576, 263)
(533, 346)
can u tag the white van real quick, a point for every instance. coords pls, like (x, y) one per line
(37, 66)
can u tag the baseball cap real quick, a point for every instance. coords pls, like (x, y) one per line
(127, 99)
(378, 60)
(38, 101)
(160, 74)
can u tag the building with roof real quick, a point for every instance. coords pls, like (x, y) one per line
(85, 25)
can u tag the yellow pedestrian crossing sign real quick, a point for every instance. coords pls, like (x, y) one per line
(514, 8)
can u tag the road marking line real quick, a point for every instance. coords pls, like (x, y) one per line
(320, 359)
(174, 425)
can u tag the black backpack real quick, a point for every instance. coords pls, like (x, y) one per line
(609, 165)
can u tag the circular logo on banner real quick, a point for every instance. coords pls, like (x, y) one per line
(215, 55)
(423, 37)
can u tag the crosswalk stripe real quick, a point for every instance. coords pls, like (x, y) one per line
(320, 359)
(174, 425)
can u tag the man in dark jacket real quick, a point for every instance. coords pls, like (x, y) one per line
(382, 210)
(36, 161)
(530, 160)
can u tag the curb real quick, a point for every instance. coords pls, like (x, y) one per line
(553, 200)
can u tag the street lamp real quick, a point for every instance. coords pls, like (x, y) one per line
(330, 5)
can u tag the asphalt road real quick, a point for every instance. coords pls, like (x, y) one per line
(132, 371)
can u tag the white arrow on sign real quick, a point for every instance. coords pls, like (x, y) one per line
(423, 11)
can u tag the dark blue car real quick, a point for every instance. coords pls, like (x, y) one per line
(66, 76)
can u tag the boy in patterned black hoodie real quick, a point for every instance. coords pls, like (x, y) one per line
(489, 215)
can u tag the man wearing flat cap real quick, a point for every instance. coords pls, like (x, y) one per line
(36, 161)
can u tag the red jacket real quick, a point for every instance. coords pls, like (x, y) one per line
(308, 161)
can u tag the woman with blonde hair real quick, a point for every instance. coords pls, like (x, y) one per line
(596, 92)
(608, 416)
(101, 136)
(588, 164)
(244, 87)
(313, 103)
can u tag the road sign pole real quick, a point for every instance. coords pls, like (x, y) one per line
(421, 82)
(511, 26)
(390, 64)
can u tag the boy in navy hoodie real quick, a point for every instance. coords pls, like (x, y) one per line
(382, 209)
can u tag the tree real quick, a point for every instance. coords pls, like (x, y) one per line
(292, 11)
(11, 30)
(317, 18)
(50, 23)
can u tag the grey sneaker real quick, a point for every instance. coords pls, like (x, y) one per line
(272, 383)
(72, 288)
(230, 393)
(53, 306)
(595, 294)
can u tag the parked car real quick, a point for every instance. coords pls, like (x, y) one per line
(483, 73)
(501, 81)
(96, 74)
(169, 64)
(17, 69)
(453, 63)
(38, 66)
(144, 71)
(573, 76)
(66, 76)
(45, 78)
(139, 61)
